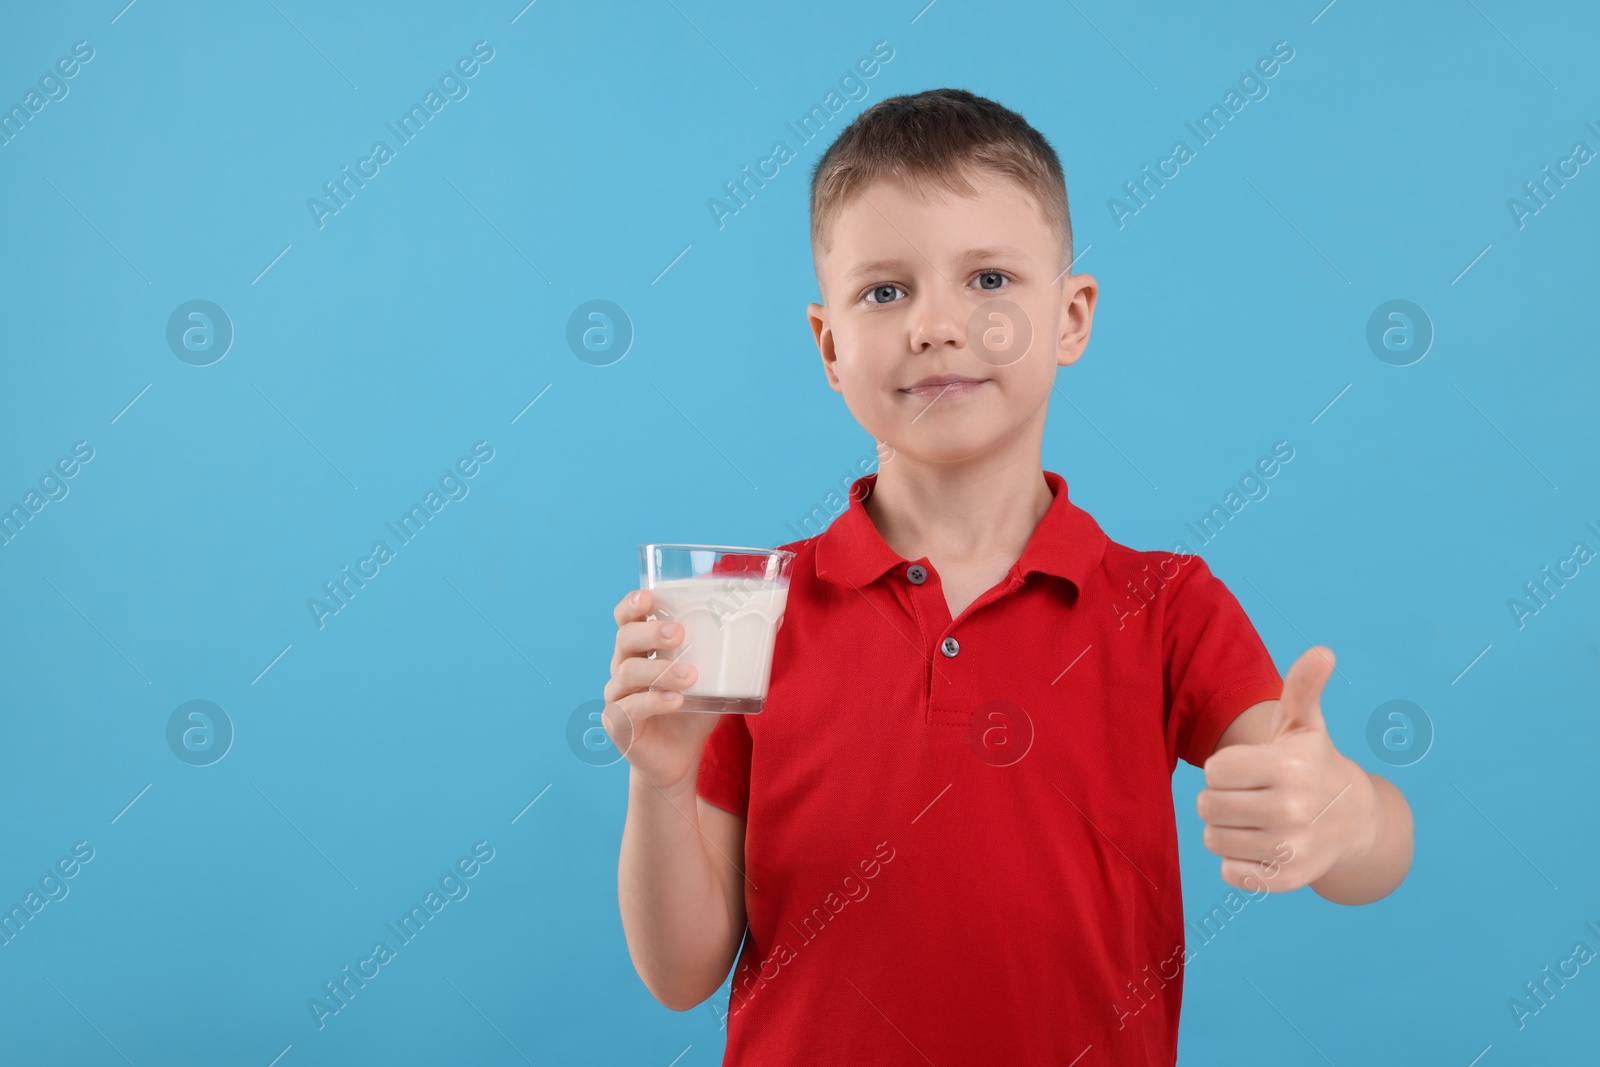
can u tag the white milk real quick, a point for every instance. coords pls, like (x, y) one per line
(730, 626)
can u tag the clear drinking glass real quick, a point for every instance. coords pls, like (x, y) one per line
(730, 602)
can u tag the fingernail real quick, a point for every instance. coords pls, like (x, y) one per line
(681, 670)
(672, 698)
(670, 630)
(633, 598)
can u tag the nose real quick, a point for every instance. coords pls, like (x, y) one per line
(940, 318)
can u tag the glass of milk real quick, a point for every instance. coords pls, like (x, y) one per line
(730, 603)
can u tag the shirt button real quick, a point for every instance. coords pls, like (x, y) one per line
(916, 574)
(950, 646)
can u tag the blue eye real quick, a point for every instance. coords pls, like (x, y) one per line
(879, 289)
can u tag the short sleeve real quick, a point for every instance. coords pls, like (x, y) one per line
(1215, 664)
(724, 777)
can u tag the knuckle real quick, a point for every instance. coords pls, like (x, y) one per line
(1228, 759)
(655, 673)
(632, 712)
(626, 677)
(626, 609)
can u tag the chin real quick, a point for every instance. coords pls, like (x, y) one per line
(944, 446)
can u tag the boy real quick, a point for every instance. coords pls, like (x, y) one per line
(961, 844)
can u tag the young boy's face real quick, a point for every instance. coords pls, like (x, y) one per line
(952, 286)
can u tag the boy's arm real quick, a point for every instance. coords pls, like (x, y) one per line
(1276, 781)
(680, 886)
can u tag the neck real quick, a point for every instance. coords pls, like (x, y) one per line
(981, 509)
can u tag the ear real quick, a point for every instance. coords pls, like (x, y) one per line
(817, 315)
(1078, 293)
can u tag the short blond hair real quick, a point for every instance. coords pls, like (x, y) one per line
(936, 139)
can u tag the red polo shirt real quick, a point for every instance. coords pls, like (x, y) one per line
(961, 846)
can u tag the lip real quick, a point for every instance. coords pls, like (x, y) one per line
(940, 382)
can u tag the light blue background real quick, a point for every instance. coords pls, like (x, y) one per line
(427, 314)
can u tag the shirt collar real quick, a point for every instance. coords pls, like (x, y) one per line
(1067, 543)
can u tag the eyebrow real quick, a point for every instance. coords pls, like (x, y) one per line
(894, 262)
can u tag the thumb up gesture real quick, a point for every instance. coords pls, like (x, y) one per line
(1283, 812)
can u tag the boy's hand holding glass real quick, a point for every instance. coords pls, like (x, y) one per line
(662, 748)
(697, 637)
